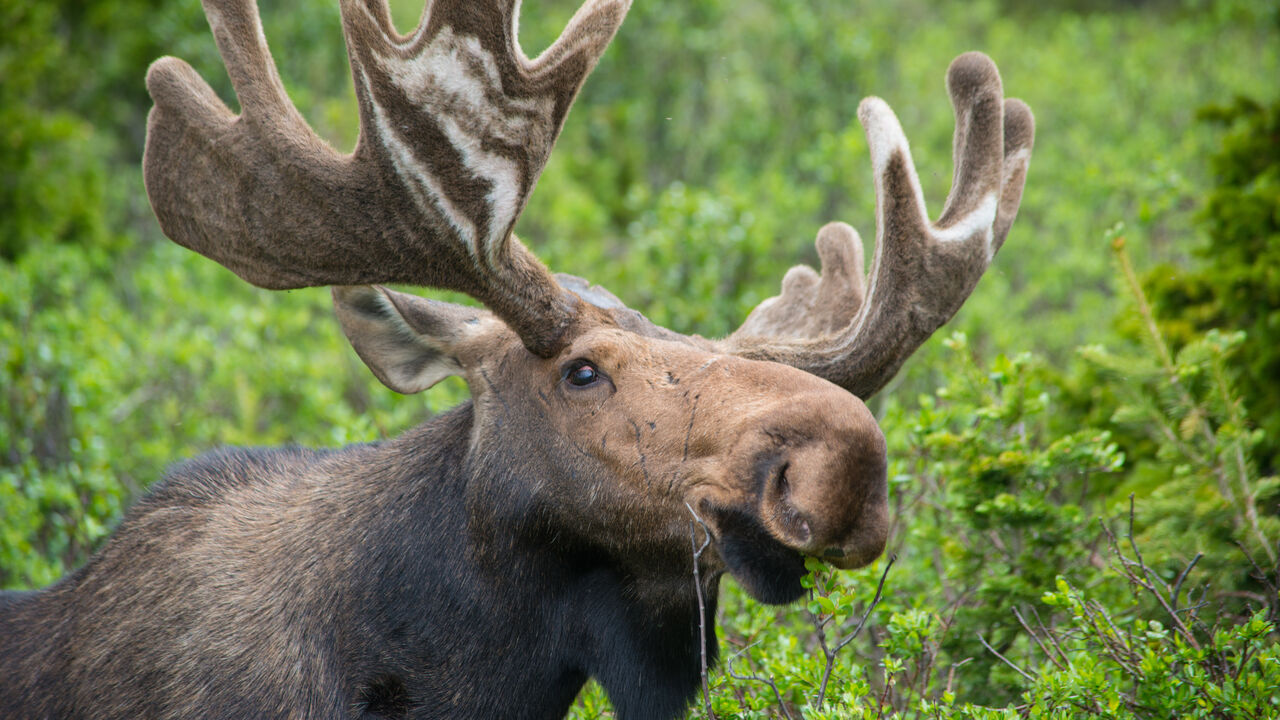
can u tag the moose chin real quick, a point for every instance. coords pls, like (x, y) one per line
(490, 561)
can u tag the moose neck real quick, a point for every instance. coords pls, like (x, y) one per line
(539, 606)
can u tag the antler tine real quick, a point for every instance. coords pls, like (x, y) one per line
(921, 272)
(456, 124)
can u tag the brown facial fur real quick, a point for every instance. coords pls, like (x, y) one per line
(668, 427)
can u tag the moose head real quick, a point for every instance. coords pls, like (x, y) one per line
(592, 434)
(617, 424)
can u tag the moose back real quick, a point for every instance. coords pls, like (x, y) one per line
(490, 561)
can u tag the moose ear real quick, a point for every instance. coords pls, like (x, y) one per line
(409, 342)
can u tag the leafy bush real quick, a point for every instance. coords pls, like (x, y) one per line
(1200, 486)
(1102, 664)
(1238, 287)
(169, 374)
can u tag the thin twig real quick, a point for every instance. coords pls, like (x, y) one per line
(874, 601)
(888, 684)
(768, 681)
(1032, 633)
(830, 653)
(1121, 646)
(1261, 575)
(1004, 659)
(1053, 640)
(702, 608)
(951, 672)
(1133, 543)
(1145, 581)
(1177, 585)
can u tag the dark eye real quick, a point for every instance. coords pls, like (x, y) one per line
(582, 374)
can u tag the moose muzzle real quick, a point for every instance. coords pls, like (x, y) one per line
(819, 468)
(806, 474)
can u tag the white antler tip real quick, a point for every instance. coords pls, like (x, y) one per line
(884, 133)
(600, 17)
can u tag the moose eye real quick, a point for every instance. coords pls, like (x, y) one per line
(582, 373)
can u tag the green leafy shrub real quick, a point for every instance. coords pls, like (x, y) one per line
(1238, 286)
(1012, 498)
(169, 374)
(1200, 487)
(1121, 662)
(53, 185)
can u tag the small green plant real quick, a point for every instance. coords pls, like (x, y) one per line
(1126, 661)
(1199, 487)
(999, 499)
(1237, 288)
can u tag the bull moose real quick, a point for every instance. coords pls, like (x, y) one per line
(488, 562)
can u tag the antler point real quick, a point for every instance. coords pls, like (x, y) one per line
(971, 77)
(884, 133)
(1019, 125)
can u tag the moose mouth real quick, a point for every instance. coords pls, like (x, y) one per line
(768, 570)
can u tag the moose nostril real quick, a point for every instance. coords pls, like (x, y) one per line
(798, 523)
(785, 518)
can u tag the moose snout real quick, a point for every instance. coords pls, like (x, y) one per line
(823, 482)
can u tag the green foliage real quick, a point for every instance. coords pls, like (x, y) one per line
(107, 383)
(1238, 287)
(53, 186)
(1199, 486)
(998, 497)
(1125, 668)
(73, 106)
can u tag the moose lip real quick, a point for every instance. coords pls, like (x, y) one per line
(842, 561)
(767, 569)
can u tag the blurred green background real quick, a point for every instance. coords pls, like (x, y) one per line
(708, 147)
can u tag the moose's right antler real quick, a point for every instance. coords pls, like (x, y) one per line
(922, 272)
(456, 124)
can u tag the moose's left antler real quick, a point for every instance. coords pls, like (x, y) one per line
(456, 124)
(921, 272)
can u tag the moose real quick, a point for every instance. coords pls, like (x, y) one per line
(488, 562)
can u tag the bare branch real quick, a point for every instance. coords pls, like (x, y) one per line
(1145, 581)
(702, 607)
(830, 653)
(1005, 660)
(728, 666)
(874, 601)
(1034, 636)
(1053, 640)
(1177, 585)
